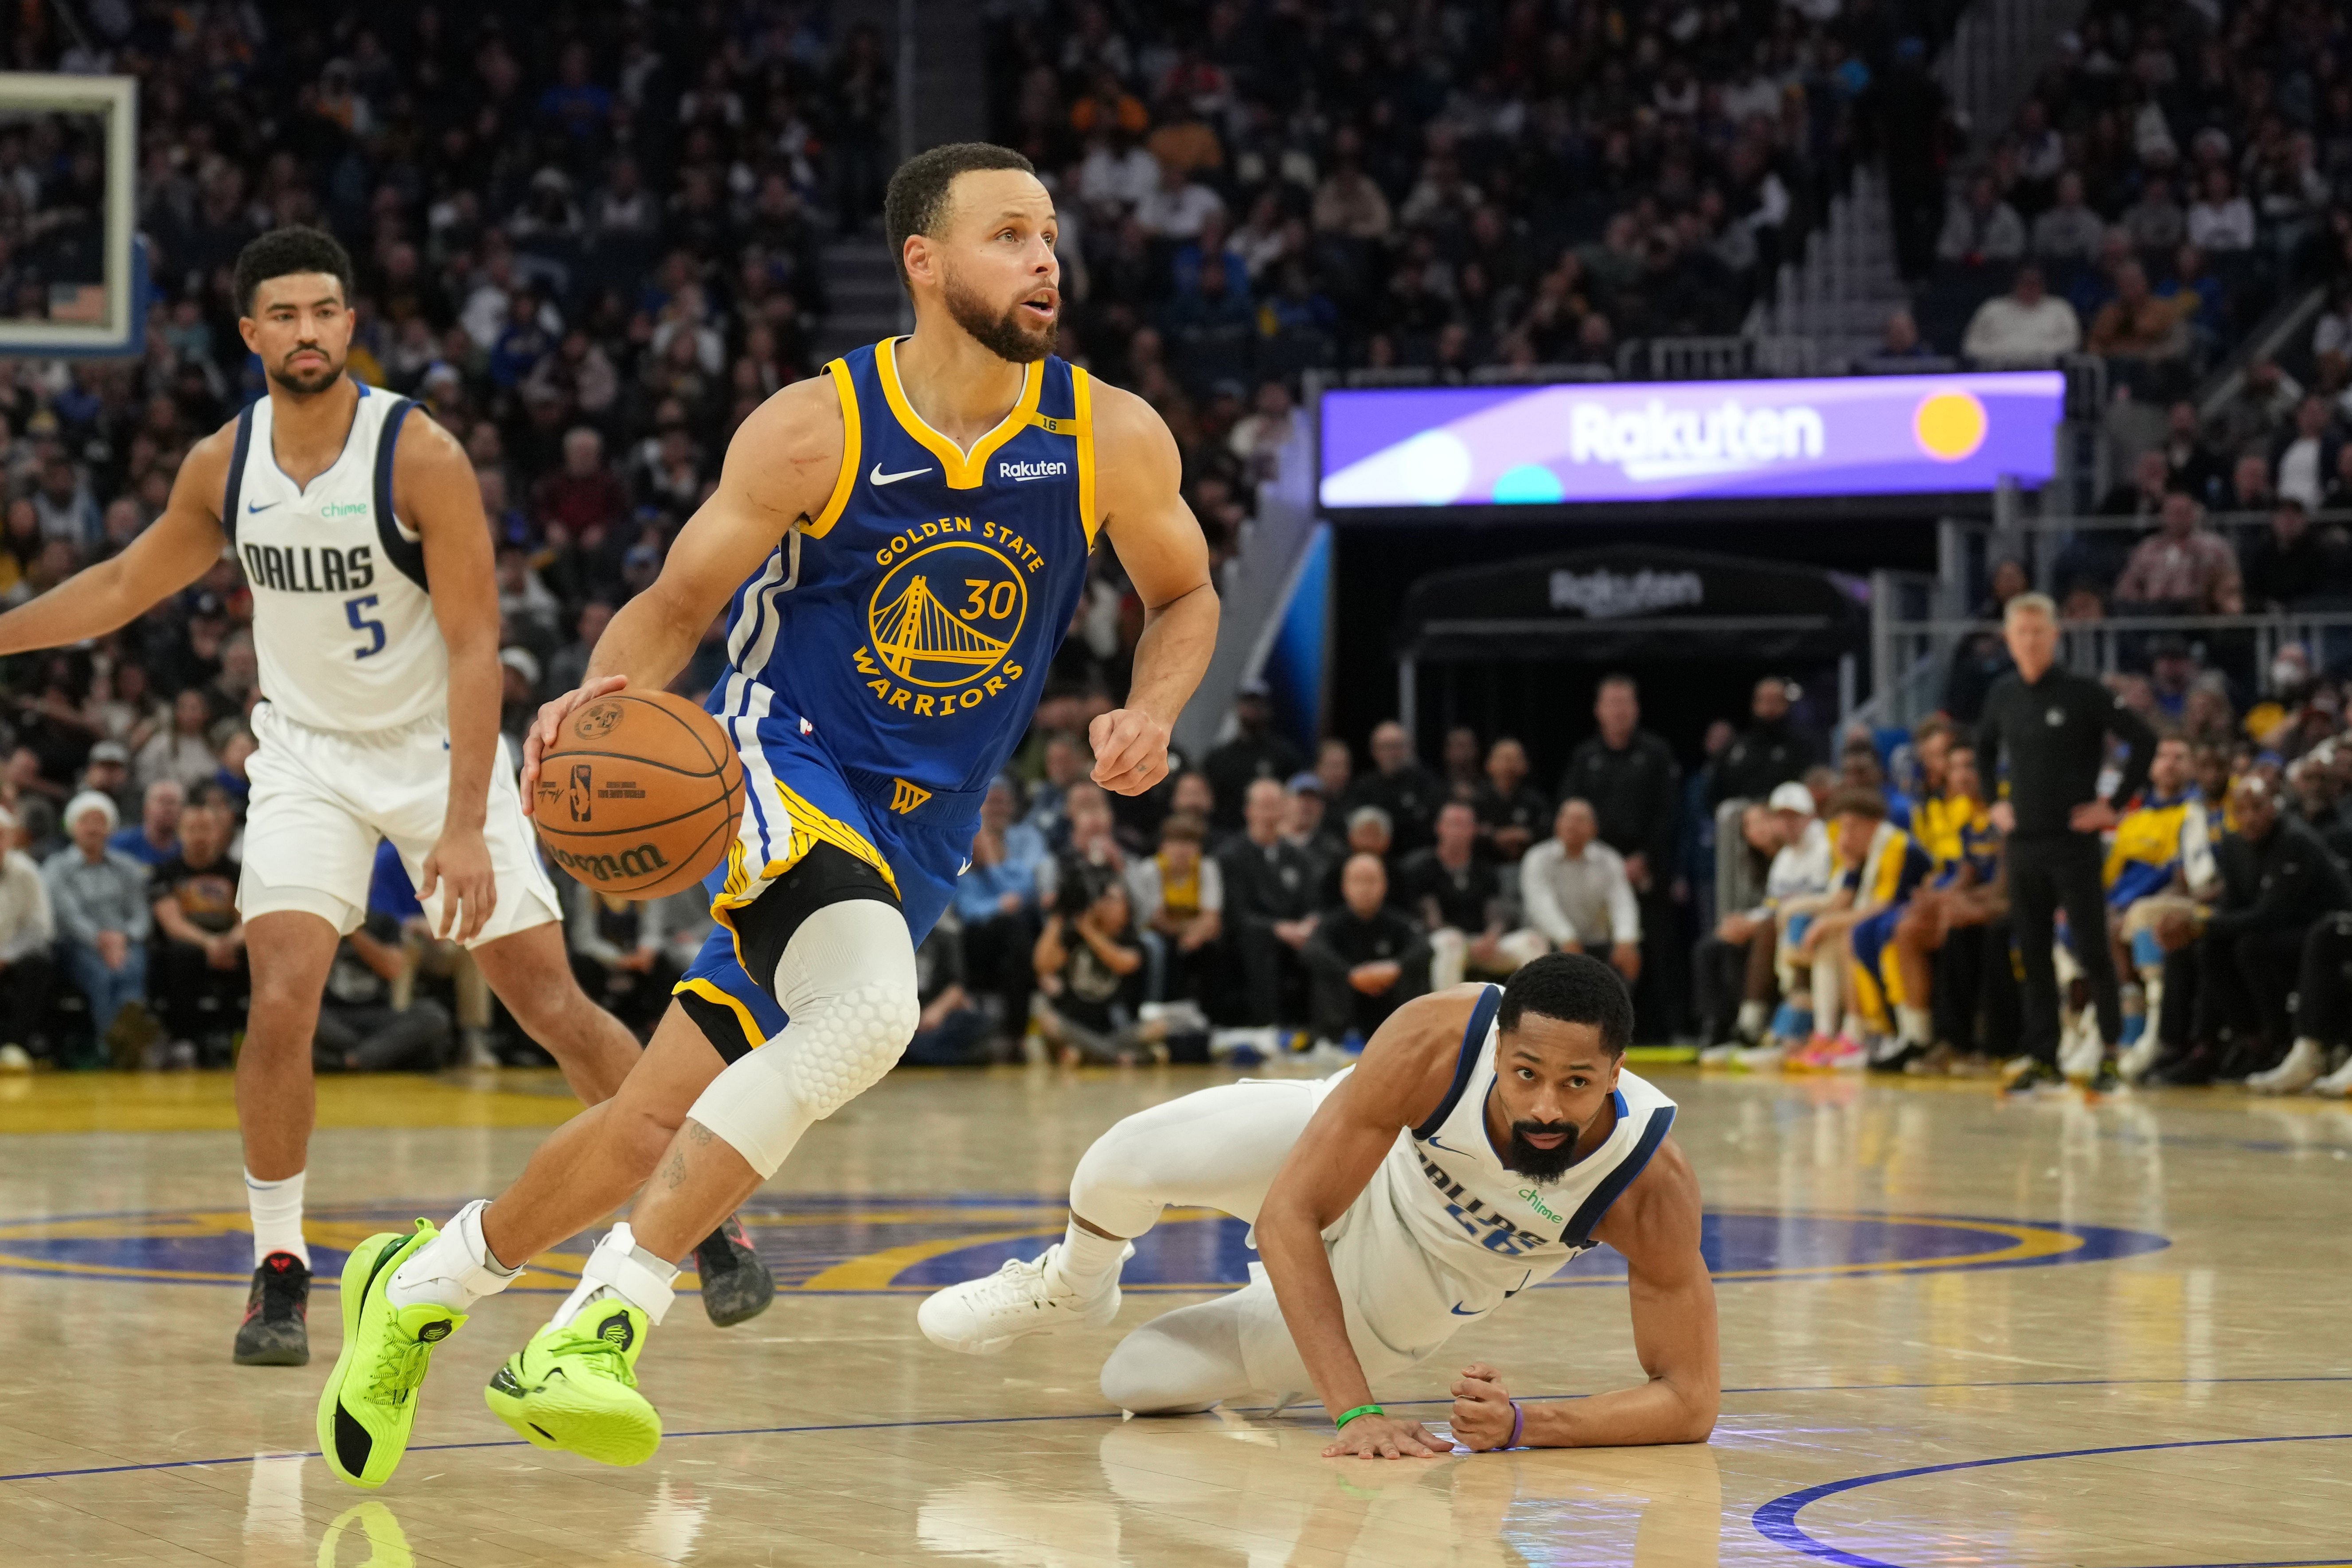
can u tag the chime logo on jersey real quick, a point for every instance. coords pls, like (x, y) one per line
(945, 616)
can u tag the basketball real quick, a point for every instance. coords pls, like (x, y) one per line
(639, 795)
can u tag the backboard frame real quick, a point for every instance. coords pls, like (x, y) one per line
(117, 99)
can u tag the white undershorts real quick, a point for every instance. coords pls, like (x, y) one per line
(321, 800)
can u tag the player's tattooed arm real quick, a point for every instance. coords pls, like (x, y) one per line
(1405, 1070)
(175, 550)
(1139, 488)
(780, 471)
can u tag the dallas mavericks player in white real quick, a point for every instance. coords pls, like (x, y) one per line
(1488, 1136)
(359, 525)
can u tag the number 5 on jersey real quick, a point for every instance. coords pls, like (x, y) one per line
(375, 629)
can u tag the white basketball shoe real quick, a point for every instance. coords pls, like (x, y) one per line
(980, 1317)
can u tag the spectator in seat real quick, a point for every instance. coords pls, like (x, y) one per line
(2068, 230)
(1093, 844)
(2026, 329)
(2155, 222)
(953, 1030)
(1065, 762)
(106, 770)
(2190, 461)
(1179, 894)
(155, 838)
(567, 669)
(1370, 832)
(2220, 219)
(2231, 971)
(1090, 977)
(1512, 812)
(371, 1019)
(1979, 227)
(619, 952)
(2183, 568)
(2293, 561)
(1400, 786)
(996, 903)
(584, 494)
(198, 957)
(1307, 825)
(1458, 894)
(2143, 495)
(1366, 957)
(28, 929)
(2250, 490)
(1257, 751)
(181, 753)
(1577, 894)
(1269, 888)
(2136, 324)
(103, 920)
(1771, 751)
(2303, 458)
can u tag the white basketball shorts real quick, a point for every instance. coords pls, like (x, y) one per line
(322, 797)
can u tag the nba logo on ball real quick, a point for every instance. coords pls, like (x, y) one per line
(581, 792)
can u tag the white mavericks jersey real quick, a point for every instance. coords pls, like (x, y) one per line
(341, 620)
(1489, 1226)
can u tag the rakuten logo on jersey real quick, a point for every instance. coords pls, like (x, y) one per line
(1023, 472)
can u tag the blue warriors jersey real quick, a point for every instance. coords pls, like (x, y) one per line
(884, 660)
(1891, 872)
(1956, 832)
(2155, 841)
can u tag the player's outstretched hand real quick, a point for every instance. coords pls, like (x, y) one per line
(543, 729)
(459, 866)
(1482, 1416)
(1386, 1437)
(1130, 750)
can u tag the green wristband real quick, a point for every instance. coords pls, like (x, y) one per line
(1360, 1410)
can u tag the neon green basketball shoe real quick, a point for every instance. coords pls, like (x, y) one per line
(369, 1406)
(575, 1388)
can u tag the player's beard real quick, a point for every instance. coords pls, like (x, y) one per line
(999, 333)
(311, 382)
(1543, 1165)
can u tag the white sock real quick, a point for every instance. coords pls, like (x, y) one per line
(454, 1270)
(620, 1271)
(1829, 1016)
(1751, 1018)
(1088, 1262)
(277, 1210)
(1912, 1025)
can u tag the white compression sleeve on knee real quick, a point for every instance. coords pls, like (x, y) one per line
(846, 983)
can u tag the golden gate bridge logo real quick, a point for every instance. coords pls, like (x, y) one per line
(935, 628)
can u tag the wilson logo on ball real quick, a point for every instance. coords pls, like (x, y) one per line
(629, 865)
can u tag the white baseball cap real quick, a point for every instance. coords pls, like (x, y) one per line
(1792, 797)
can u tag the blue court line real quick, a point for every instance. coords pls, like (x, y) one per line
(1261, 1409)
(1777, 1520)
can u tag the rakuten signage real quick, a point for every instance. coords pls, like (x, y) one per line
(1668, 441)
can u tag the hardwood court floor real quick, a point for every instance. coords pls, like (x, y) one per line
(1955, 1332)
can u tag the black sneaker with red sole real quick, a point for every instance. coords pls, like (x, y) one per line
(736, 1286)
(276, 1331)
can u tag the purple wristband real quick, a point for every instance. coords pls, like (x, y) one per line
(1518, 1420)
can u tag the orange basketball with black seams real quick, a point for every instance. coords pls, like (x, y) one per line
(640, 794)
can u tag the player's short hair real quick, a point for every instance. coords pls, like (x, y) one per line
(1867, 803)
(283, 252)
(916, 200)
(1934, 724)
(1573, 988)
(1182, 826)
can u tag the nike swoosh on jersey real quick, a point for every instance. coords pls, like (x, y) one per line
(1449, 1149)
(880, 477)
(251, 509)
(1460, 1313)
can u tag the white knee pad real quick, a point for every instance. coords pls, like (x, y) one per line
(846, 982)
